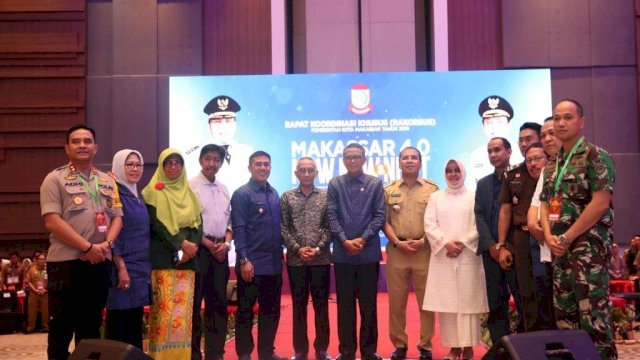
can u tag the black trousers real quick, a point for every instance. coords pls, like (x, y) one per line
(536, 316)
(125, 325)
(302, 281)
(211, 285)
(266, 290)
(357, 282)
(77, 294)
(501, 285)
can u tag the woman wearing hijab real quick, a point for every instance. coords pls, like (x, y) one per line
(176, 230)
(460, 299)
(131, 273)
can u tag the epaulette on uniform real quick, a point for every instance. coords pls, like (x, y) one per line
(391, 183)
(431, 182)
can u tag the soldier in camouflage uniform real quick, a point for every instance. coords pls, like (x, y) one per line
(577, 220)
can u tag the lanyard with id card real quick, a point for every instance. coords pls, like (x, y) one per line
(555, 202)
(99, 215)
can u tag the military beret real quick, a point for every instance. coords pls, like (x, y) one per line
(495, 105)
(221, 105)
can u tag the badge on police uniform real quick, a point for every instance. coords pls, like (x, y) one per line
(101, 221)
(77, 200)
(555, 206)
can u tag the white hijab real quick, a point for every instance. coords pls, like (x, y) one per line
(117, 168)
(463, 175)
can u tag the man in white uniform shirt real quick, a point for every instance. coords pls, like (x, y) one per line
(222, 120)
(213, 266)
(496, 114)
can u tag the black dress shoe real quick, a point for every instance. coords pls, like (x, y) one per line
(374, 356)
(322, 355)
(399, 354)
(299, 357)
(426, 354)
(273, 357)
(346, 357)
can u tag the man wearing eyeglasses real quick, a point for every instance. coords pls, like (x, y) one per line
(222, 122)
(306, 235)
(356, 214)
(496, 114)
(515, 197)
(542, 268)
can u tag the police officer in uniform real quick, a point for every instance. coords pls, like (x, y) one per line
(81, 209)
(408, 252)
(576, 216)
(515, 197)
(221, 112)
(496, 114)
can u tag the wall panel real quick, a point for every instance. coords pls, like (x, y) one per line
(236, 37)
(474, 35)
(42, 82)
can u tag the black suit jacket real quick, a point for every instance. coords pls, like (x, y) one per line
(483, 205)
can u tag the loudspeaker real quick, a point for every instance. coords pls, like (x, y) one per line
(102, 349)
(548, 344)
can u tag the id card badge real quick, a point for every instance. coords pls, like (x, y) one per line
(555, 206)
(12, 280)
(101, 221)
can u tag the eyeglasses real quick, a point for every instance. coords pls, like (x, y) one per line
(303, 171)
(132, 166)
(534, 159)
(353, 158)
(219, 119)
(174, 163)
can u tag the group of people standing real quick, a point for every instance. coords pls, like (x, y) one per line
(168, 247)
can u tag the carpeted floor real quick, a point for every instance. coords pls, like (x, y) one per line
(284, 345)
(33, 346)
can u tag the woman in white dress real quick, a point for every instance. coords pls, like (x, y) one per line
(455, 285)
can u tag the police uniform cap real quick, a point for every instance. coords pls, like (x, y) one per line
(495, 105)
(222, 105)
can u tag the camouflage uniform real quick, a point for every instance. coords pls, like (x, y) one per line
(580, 278)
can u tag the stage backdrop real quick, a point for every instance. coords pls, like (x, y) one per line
(317, 115)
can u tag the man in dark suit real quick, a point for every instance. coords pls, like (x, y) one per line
(501, 284)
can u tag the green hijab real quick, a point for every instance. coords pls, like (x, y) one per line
(176, 204)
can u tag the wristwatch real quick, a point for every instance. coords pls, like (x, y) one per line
(244, 261)
(563, 239)
(498, 246)
(395, 243)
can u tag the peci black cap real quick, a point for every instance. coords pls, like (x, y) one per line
(221, 105)
(495, 105)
